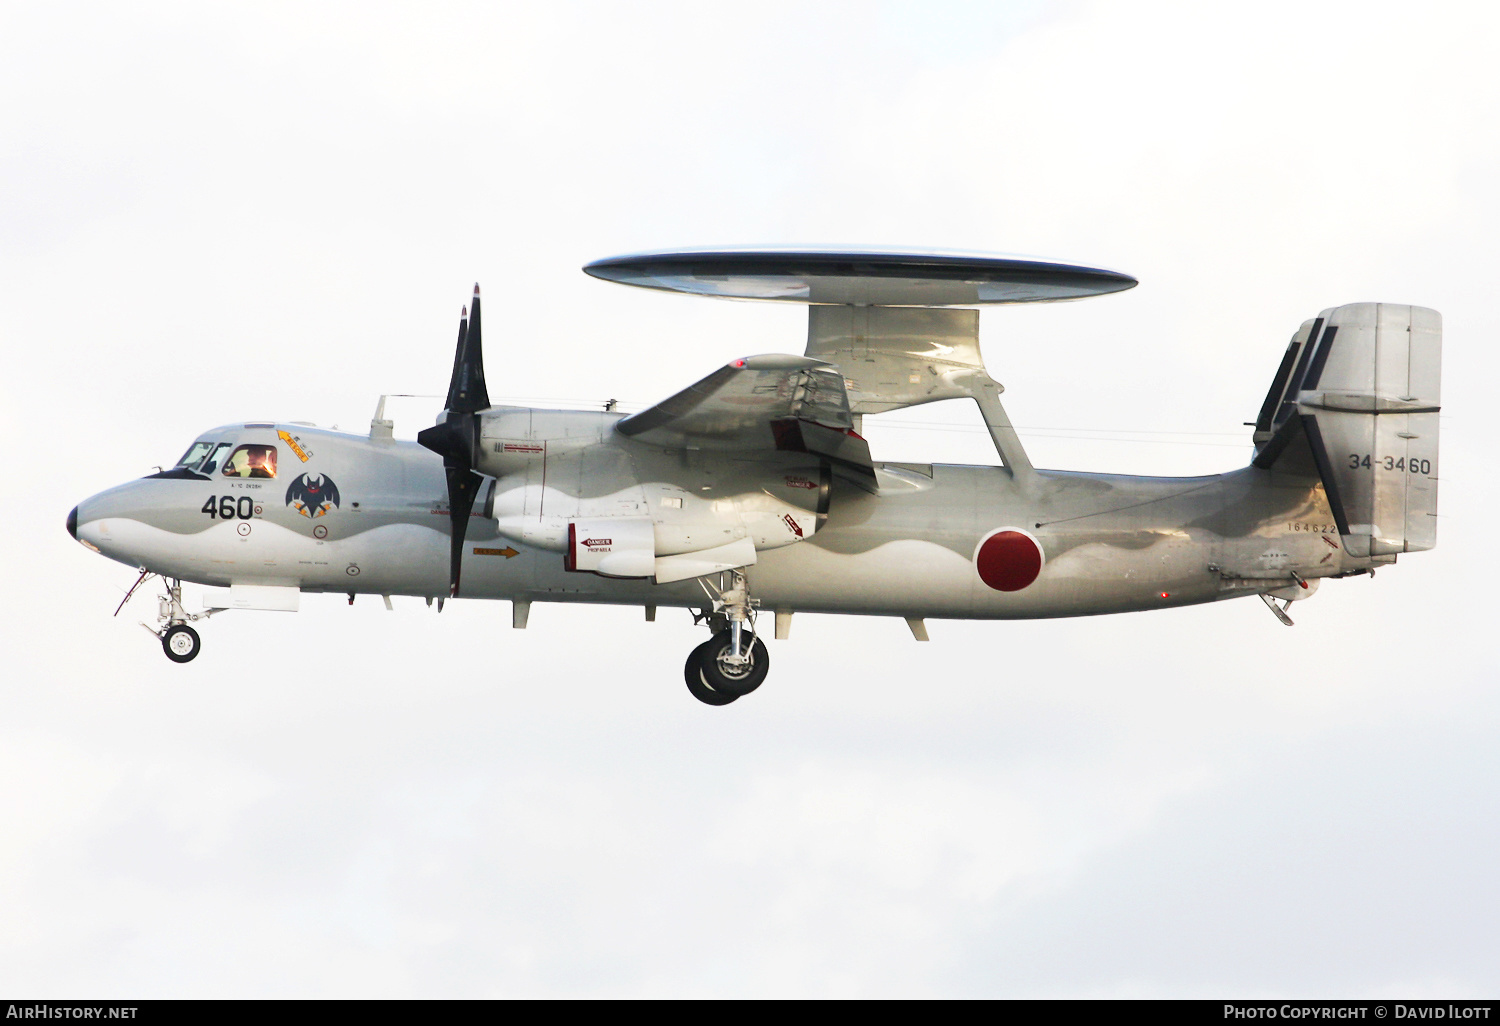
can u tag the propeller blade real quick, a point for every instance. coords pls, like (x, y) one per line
(463, 485)
(456, 437)
(458, 360)
(467, 392)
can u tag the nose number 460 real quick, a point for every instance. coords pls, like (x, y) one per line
(229, 507)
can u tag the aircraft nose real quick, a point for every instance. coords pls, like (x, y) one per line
(73, 522)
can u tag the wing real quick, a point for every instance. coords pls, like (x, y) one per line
(774, 402)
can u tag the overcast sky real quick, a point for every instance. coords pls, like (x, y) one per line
(217, 212)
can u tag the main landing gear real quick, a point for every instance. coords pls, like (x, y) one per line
(179, 641)
(734, 661)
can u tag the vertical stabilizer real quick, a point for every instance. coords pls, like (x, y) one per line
(1362, 383)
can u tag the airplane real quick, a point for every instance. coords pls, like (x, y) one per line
(754, 491)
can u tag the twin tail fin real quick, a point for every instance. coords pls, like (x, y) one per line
(1356, 400)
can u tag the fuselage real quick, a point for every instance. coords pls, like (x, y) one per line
(334, 512)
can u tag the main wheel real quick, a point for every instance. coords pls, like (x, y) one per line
(728, 678)
(181, 643)
(693, 674)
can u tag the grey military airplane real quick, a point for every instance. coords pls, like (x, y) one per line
(753, 490)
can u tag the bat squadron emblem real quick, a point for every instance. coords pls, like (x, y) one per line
(312, 495)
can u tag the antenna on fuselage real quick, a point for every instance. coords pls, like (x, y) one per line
(380, 428)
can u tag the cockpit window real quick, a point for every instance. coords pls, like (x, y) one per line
(212, 463)
(251, 461)
(195, 454)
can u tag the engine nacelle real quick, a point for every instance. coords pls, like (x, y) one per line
(646, 506)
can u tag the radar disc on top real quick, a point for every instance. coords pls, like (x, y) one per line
(860, 277)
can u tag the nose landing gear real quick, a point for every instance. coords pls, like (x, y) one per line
(734, 661)
(179, 641)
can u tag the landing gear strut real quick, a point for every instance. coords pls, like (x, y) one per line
(734, 661)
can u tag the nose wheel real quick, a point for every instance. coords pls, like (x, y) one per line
(181, 643)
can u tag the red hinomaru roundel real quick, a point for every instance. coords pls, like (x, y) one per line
(1008, 559)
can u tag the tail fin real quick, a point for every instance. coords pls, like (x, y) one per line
(1360, 383)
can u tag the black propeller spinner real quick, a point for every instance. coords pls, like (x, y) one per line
(456, 437)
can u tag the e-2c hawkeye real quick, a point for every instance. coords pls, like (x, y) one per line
(753, 491)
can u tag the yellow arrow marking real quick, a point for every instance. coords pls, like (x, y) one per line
(507, 552)
(292, 444)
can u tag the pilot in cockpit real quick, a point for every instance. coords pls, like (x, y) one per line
(252, 461)
(261, 462)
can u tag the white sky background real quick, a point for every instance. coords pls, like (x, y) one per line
(211, 213)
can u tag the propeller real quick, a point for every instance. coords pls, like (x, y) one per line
(456, 437)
